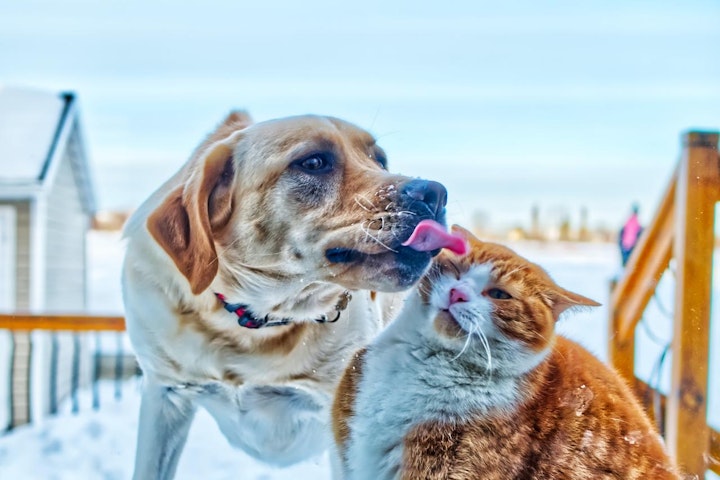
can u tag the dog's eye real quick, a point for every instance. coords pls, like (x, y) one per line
(378, 155)
(382, 161)
(498, 294)
(315, 164)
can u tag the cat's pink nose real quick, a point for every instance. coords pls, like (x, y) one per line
(457, 295)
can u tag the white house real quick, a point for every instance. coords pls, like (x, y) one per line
(46, 207)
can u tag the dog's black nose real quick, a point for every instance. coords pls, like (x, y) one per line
(432, 194)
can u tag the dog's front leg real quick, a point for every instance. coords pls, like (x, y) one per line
(165, 417)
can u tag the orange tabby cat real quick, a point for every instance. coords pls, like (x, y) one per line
(471, 382)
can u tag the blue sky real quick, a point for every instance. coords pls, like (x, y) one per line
(562, 104)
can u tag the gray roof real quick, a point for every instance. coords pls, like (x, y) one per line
(35, 130)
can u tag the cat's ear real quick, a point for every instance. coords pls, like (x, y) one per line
(564, 299)
(465, 233)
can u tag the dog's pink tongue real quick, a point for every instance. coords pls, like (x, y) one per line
(430, 235)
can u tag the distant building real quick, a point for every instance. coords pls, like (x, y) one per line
(46, 206)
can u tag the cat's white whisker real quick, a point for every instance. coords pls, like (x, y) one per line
(468, 339)
(427, 291)
(486, 346)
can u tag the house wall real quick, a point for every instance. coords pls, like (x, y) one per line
(8, 230)
(16, 354)
(7, 257)
(66, 229)
(65, 291)
(22, 260)
(66, 275)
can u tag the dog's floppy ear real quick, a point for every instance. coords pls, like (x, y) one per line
(236, 120)
(184, 224)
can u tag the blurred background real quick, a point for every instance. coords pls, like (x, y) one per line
(559, 105)
(546, 121)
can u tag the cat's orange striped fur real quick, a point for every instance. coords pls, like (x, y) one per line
(471, 382)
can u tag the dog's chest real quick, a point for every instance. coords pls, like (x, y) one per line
(237, 356)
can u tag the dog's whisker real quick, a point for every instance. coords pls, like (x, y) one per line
(393, 232)
(377, 240)
(233, 243)
(362, 206)
(386, 134)
(365, 199)
(377, 112)
(366, 231)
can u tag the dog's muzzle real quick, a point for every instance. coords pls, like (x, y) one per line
(425, 200)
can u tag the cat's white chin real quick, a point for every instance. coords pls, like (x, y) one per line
(446, 325)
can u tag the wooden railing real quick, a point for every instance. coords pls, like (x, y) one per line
(20, 327)
(683, 229)
(70, 323)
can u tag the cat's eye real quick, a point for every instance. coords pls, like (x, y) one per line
(498, 294)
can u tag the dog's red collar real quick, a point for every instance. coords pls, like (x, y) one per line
(247, 319)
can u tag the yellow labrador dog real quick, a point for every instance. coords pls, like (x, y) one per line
(249, 280)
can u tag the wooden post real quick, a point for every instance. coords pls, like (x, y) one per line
(696, 195)
(621, 345)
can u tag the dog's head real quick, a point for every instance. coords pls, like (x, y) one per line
(302, 199)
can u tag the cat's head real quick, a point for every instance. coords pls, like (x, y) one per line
(493, 298)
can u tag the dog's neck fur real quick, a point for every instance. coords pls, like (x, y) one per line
(296, 302)
(299, 300)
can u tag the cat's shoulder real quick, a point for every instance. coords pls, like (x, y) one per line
(571, 354)
(578, 366)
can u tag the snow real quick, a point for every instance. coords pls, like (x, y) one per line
(100, 445)
(28, 120)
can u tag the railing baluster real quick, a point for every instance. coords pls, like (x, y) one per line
(75, 379)
(96, 373)
(21, 328)
(53, 372)
(118, 366)
(28, 377)
(11, 384)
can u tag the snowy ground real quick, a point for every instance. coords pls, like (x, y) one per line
(100, 445)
